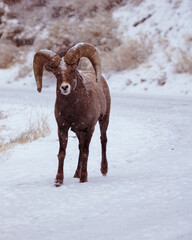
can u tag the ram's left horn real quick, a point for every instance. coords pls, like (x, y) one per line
(85, 50)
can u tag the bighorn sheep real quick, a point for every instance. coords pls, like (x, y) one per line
(82, 99)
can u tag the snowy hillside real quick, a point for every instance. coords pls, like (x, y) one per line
(146, 54)
(149, 44)
(166, 25)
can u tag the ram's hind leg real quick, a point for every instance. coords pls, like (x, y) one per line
(78, 170)
(103, 128)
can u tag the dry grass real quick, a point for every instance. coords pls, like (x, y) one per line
(136, 2)
(184, 63)
(34, 131)
(129, 55)
(2, 127)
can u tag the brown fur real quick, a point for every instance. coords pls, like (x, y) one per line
(87, 103)
(82, 100)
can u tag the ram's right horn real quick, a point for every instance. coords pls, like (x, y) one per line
(41, 58)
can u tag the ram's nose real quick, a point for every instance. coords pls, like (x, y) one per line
(65, 88)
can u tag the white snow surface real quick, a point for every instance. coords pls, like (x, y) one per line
(147, 193)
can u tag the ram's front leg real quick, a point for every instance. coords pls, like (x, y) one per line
(63, 138)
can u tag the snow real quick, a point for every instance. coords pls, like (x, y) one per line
(147, 193)
(62, 65)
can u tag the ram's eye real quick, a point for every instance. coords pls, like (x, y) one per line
(58, 74)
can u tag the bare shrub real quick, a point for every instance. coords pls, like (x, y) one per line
(57, 25)
(129, 55)
(34, 131)
(33, 17)
(60, 8)
(9, 55)
(60, 36)
(17, 33)
(11, 2)
(184, 62)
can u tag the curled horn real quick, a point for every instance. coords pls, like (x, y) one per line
(41, 58)
(85, 50)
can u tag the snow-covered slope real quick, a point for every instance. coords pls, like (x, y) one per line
(167, 25)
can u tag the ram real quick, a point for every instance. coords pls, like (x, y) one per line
(82, 99)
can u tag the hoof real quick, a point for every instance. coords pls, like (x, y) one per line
(59, 180)
(77, 174)
(104, 171)
(104, 168)
(83, 178)
(58, 183)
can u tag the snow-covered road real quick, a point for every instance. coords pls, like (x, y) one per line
(146, 195)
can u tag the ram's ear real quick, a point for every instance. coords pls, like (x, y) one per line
(48, 68)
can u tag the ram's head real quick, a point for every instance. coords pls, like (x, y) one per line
(65, 68)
